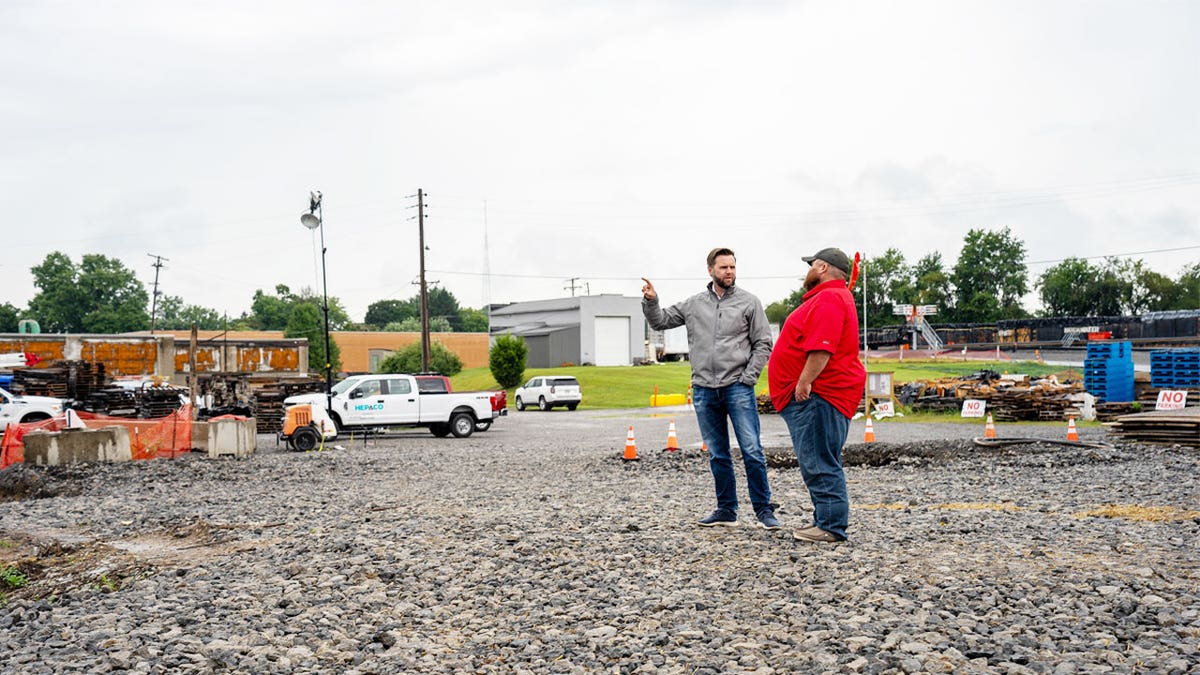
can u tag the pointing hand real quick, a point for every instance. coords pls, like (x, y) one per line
(648, 290)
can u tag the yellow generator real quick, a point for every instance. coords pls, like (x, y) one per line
(299, 430)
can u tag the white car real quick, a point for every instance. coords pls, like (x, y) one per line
(548, 391)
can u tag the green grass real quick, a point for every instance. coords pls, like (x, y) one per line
(606, 387)
(632, 386)
(930, 369)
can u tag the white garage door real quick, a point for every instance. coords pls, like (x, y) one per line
(612, 341)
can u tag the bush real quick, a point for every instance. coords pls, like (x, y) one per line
(408, 360)
(507, 360)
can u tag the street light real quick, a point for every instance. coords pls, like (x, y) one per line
(313, 220)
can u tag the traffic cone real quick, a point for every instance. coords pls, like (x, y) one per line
(989, 430)
(869, 433)
(1072, 433)
(672, 439)
(630, 447)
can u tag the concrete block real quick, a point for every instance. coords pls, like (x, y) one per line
(55, 448)
(232, 437)
(200, 436)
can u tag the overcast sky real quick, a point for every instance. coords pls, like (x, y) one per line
(599, 140)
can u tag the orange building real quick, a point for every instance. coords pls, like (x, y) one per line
(362, 351)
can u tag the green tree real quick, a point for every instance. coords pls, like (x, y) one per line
(506, 360)
(1187, 288)
(408, 360)
(472, 320)
(888, 281)
(990, 263)
(413, 325)
(306, 321)
(383, 312)
(443, 304)
(777, 312)
(100, 295)
(174, 315)
(273, 312)
(931, 284)
(10, 318)
(1066, 288)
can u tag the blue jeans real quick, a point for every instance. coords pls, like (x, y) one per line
(818, 433)
(736, 403)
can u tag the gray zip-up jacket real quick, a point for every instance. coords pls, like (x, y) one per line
(729, 339)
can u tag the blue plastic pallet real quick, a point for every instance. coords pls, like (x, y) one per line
(1108, 349)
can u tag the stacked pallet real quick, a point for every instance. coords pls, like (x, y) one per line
(1175, 368)
(1177, 427)
(1008, 398)
(268, 401)
(135, 402)
(1108, 371)
(62, 379)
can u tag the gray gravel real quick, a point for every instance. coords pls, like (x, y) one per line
(533, 548)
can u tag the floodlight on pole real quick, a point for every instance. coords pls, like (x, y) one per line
(315, 220)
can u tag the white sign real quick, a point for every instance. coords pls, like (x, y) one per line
(911, 310)
(883, 409)
(973, 407)
(1171, 400)
(1081, 329)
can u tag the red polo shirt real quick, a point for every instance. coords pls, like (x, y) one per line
(825, 321)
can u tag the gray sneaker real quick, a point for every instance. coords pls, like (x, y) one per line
(767, 520)
(816, 535)
(719, 518)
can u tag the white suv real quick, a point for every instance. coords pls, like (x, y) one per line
(549, 391)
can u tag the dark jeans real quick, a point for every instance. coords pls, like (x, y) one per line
(818, 433)
(735, 403)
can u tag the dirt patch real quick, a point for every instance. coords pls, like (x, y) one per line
(49, 564)
(20, 481)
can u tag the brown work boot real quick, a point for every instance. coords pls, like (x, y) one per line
(815, 535)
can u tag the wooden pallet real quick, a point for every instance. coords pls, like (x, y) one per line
(1180, 427)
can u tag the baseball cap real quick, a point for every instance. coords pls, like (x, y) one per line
(833, 256)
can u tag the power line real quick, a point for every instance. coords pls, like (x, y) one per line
(792, 276)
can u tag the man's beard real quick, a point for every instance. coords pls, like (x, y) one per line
(721, 283)
(811, 281)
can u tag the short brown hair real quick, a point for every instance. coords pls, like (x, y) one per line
(716, 252)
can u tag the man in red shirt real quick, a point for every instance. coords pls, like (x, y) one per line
(816, 381)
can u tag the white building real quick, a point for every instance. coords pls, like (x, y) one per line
(601, 330)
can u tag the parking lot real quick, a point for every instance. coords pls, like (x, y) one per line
(532, 547)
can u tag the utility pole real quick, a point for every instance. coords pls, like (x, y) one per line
(425, 346)
(158, 264)
(571, 285)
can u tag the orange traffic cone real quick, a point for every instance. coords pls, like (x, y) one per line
(1072, 433)
(869, 433)
(989, 430)
(672, 439)
(630, 447)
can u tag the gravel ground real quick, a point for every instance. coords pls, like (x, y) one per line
(533, 548)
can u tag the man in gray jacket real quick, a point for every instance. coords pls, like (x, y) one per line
(729, 342)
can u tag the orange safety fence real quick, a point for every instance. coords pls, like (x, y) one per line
(148, 438)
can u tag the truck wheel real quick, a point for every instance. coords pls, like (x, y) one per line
(483, 425)
(462, 425)
(305, 439)
(520, 404)
(572, 406)
(34, 417)
(543, 405)
(440, 430)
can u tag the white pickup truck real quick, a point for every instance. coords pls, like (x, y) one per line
(387, 400)
(25, 409)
